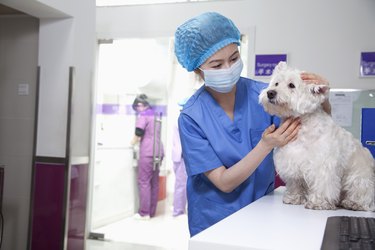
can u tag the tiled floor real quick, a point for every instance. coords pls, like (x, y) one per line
(163, 232)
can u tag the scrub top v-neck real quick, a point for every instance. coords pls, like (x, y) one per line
(210, 139)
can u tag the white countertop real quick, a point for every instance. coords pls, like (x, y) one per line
(269, 224)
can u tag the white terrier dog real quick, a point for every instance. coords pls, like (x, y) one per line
(325, 167)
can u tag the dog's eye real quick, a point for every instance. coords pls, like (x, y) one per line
(276, 84)
(291, 85)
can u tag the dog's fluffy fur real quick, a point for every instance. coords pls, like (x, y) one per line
(325, 167)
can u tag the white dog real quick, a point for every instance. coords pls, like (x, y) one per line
(325, 167)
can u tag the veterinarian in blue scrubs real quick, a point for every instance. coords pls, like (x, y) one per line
(227, 138)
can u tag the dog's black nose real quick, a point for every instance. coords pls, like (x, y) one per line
(271, 94)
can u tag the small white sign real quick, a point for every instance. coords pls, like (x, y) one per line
(342, 108)
(23, 89)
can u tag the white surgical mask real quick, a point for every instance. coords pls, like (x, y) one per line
(223, 80)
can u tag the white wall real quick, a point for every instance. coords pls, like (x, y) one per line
(321, 36)
(67, 38)
(55, 41)
(84, 49)
(68, 7)
(63, 36)
(35, 8)
(64, 43)
(18, 65)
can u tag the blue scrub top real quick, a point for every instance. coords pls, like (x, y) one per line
(210, 139)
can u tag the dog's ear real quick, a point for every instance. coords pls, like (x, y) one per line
(318, 89)
(280, 66)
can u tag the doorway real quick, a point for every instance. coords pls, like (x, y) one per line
(126, 68)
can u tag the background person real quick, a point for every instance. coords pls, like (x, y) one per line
(148, 176)
(179, 195)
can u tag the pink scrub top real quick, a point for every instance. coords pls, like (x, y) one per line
(146, 122)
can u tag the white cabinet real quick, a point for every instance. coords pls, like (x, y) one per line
(115, 191)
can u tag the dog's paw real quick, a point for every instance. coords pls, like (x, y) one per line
(320, 206)
(351, 205)
(294, 199)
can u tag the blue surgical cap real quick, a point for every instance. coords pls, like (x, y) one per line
(200, 37)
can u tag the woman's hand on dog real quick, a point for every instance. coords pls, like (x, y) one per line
(311, 78)
(284, 134)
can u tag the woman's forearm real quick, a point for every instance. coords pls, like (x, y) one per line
(227, 179)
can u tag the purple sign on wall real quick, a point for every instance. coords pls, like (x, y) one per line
(264, 64)
(367, 67)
